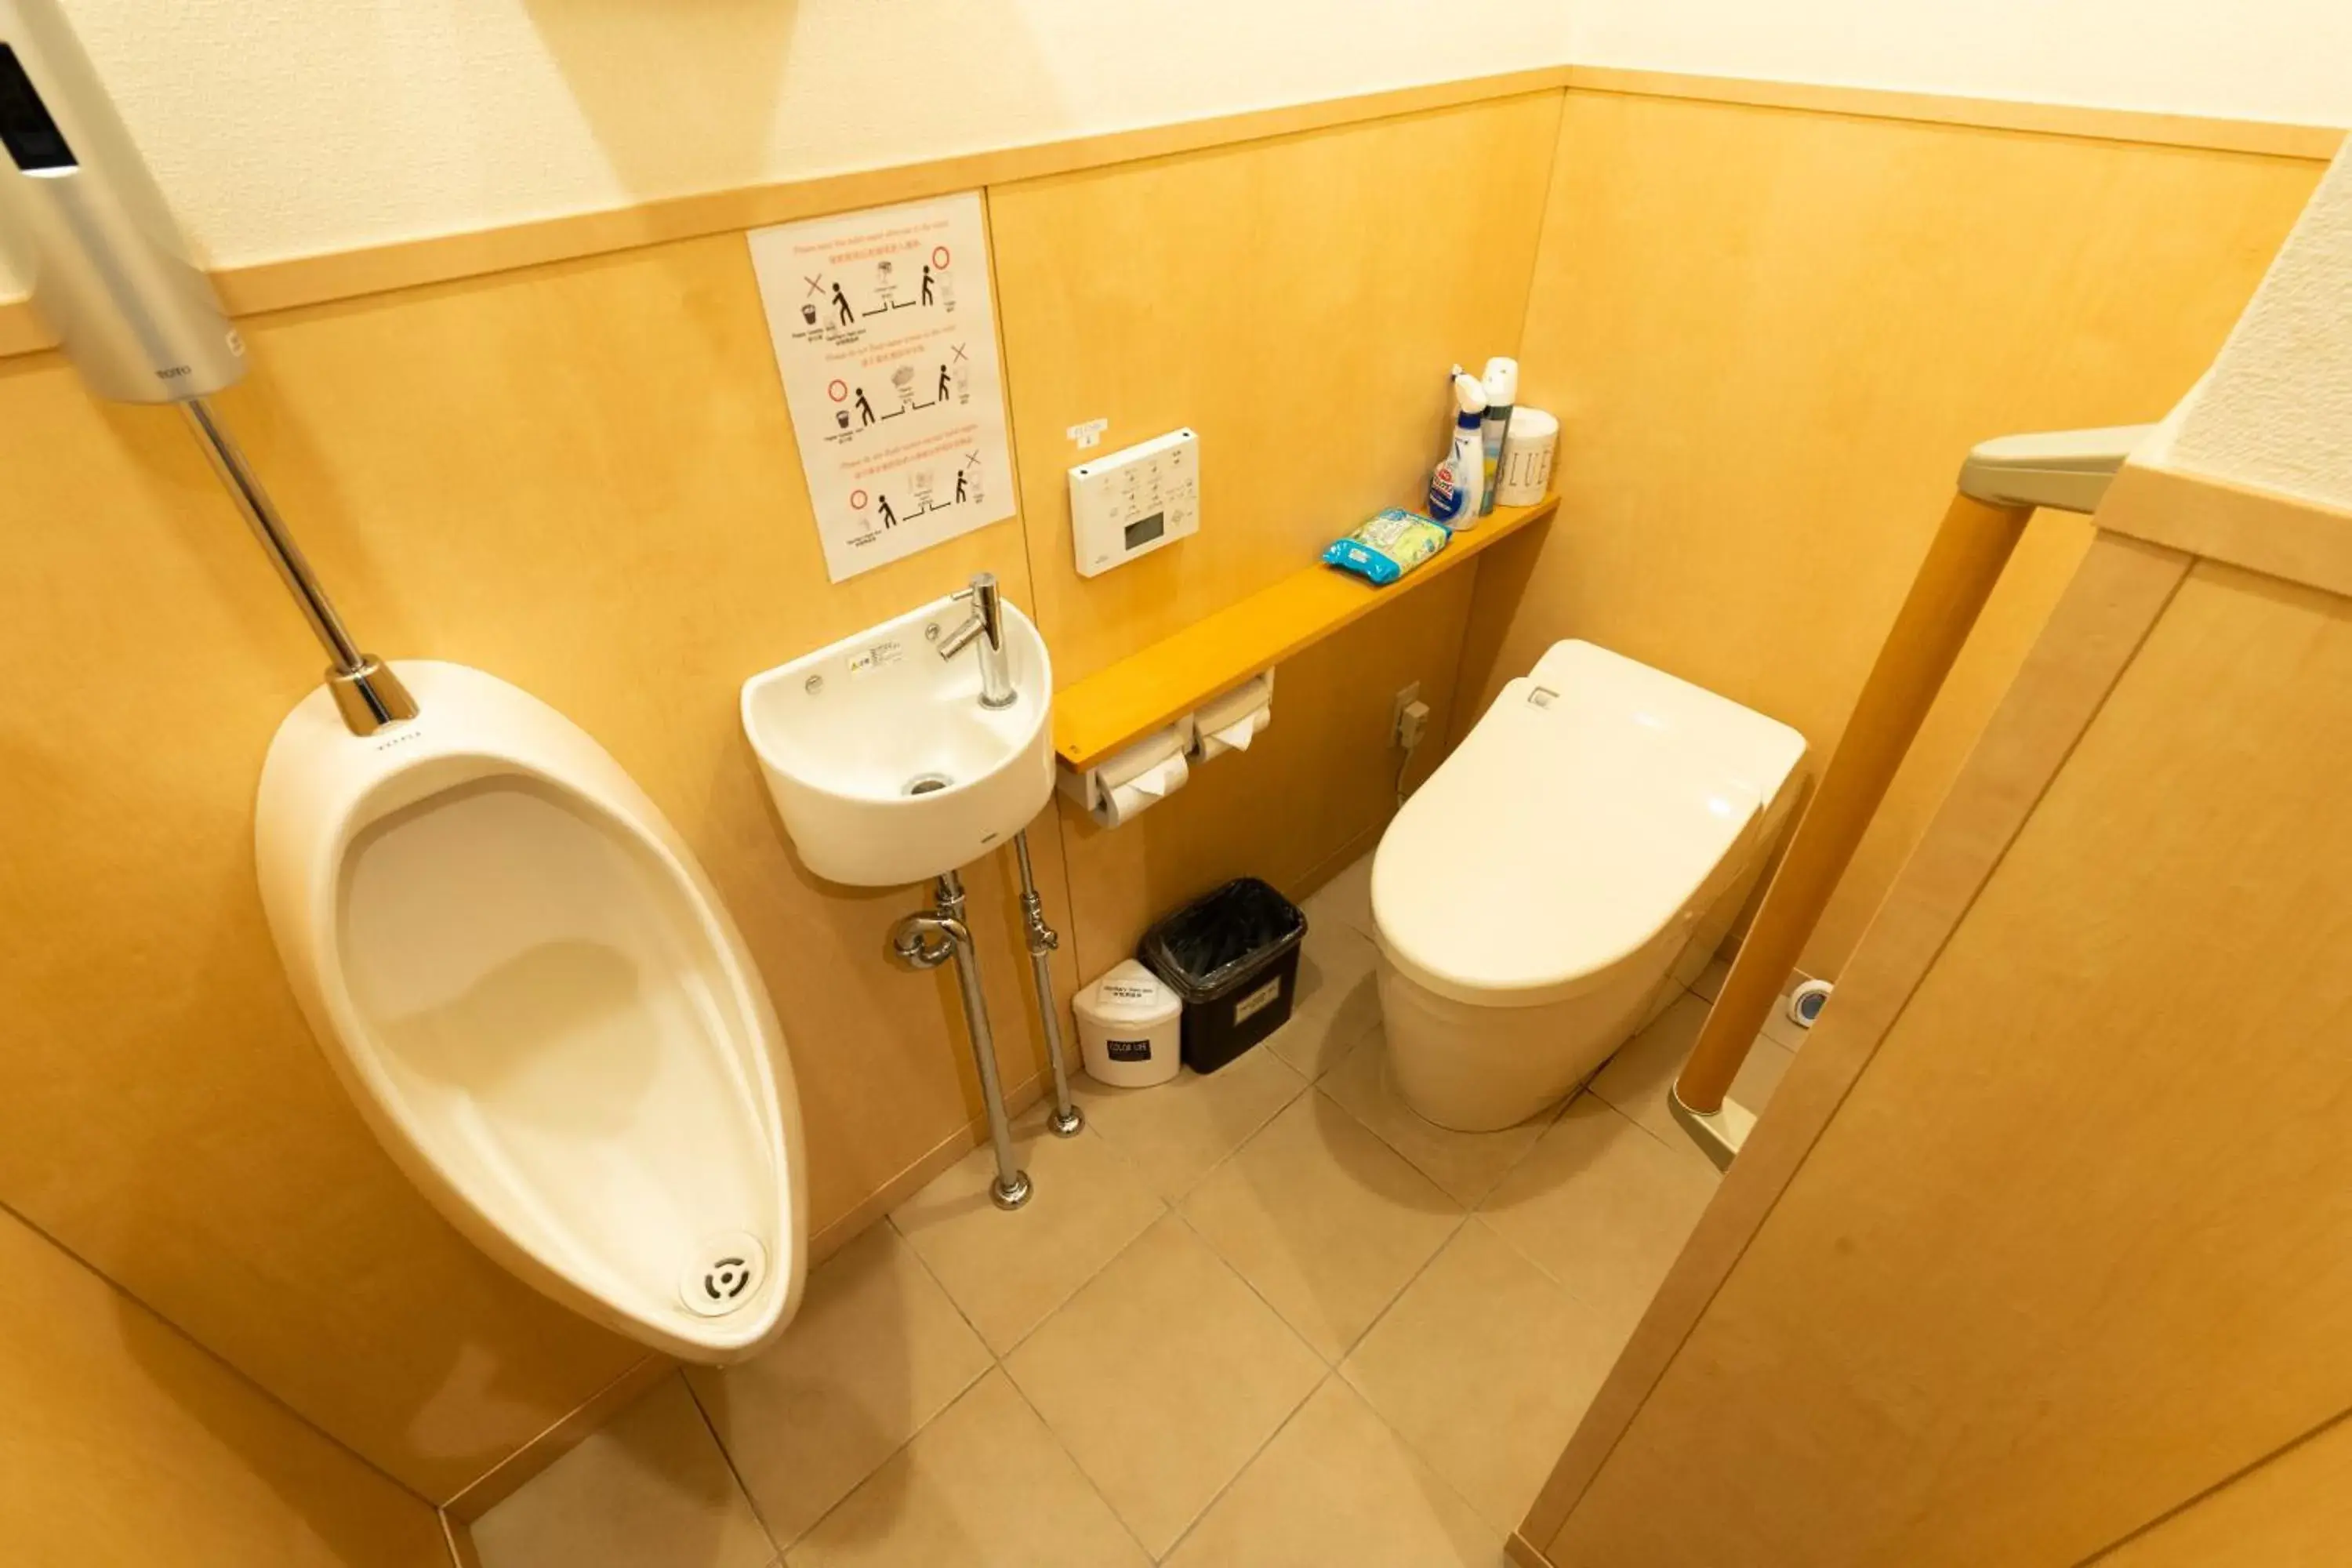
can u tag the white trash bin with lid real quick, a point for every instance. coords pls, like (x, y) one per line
(1130, 1028)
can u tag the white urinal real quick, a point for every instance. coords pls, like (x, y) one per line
(532, 991)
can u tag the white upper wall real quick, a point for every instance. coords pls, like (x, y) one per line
(2276, 411)
(2239, 60)
(283, 128)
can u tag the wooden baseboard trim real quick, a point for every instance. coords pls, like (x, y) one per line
(508, 1477)
(1355, 849)
(2272, 139)
(839, 1233)
(459, 1537)
(1518, 1550)
(505, 1477)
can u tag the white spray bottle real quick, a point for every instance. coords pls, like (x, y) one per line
(1457, 484)
(1502, 388)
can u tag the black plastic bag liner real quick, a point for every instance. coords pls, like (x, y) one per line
(1233, 956)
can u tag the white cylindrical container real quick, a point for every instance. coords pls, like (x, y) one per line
(1527, 451)
(1129, 1028)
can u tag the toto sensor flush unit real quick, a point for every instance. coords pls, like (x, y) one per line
(134, 311)
(82, 219)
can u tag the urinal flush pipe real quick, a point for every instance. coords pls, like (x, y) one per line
(82, 217)
(366, 692)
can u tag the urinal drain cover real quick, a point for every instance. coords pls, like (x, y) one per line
(723, 1274)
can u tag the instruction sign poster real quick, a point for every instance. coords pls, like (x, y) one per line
(887, 339)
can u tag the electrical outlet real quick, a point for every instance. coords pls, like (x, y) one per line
(1403, 729)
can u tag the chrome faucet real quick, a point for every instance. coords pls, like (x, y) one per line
(986, 627)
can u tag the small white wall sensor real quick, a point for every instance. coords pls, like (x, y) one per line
(1135, 500)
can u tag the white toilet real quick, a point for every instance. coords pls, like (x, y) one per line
(535, 997)
(1587, 846)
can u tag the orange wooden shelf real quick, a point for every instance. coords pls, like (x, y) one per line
(1096, 716)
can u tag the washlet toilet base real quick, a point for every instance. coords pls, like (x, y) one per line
(1583, 851)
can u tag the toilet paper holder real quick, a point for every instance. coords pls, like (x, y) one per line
(1145, 772)
(1134, 778)
(1230, 723)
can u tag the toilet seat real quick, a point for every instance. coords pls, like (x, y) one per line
(1595, 804)
(538, 1002)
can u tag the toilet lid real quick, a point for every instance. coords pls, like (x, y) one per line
(1581, 815)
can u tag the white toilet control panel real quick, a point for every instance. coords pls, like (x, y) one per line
(1133, 501)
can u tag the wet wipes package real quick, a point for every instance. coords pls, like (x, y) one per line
(1389, 545)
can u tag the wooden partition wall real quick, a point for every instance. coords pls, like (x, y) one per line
(2044, 1255)
(561, 453)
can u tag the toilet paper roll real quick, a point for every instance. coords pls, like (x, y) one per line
(1235, 736)
(1230, 723)
(1147, 789)
(1140, 757)
(1528, 446)
(1135, 776)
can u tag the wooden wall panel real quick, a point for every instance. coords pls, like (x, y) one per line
(2075, 1247)
(2291, 1510)
(1296, 301)
(581, 479)
(1772, 335)
(122, 1442)
(1311, 793)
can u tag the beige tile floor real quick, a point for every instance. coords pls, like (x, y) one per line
(1265, 1317)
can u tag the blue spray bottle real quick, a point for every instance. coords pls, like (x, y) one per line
(1457, 484)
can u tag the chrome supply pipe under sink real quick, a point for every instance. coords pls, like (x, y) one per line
(933, 937)
(1066, 1119)
(928, 940)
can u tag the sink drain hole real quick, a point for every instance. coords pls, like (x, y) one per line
(926, 784)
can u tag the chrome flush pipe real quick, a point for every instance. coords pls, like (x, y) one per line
(366, 692)
(1066, 1119)
(114, 281)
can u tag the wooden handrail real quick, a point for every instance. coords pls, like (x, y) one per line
(1971, 547)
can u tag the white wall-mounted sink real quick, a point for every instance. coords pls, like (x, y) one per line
(883, 765)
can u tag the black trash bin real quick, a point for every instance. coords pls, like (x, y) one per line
(1233, 956)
